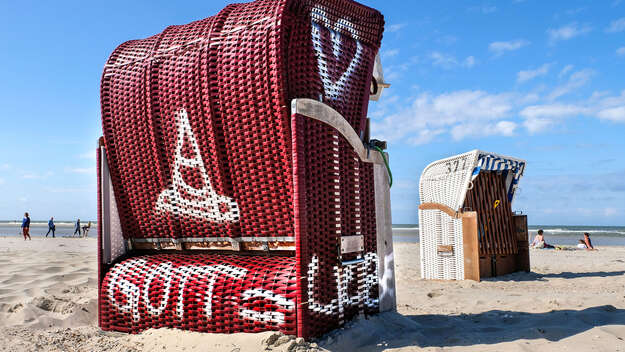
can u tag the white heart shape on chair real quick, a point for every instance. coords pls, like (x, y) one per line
(332, 88)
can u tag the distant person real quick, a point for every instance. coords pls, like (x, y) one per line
(587, 242)
(582, 245)
(85, 229)
(26, 227)
(51, 227)
(539, 241)
(77, 229)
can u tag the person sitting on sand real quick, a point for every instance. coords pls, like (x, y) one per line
(581, 245)
(539, 241)
(77, 228)
(587, 242)
(51, 227)
(26, 227)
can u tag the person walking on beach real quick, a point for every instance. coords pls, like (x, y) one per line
(51, 227)
(77, 229)
(26, 227)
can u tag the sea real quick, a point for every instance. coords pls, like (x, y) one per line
(558, 235)
(554, 234)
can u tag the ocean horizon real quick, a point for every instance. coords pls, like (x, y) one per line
(554, 234)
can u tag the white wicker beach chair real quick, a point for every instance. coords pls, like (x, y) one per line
(462, 233)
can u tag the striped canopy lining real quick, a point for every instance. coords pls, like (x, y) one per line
(489, 162)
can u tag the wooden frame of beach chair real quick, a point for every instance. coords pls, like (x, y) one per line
(466, 224)
(237, 188)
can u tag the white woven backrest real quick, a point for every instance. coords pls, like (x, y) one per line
(446, 181)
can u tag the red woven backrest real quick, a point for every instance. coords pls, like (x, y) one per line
(196, 119)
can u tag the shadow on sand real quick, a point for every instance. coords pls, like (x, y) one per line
(393, 330)
(532, 276)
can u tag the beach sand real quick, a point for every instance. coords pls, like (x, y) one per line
(571, 301)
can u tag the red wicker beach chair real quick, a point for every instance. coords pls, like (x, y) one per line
(237, 188)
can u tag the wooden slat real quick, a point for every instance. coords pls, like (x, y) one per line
(218, 245)
(506, 214)
(497, 230)
(496, 219)
(523, 254)
(495, 224)
(470, 246)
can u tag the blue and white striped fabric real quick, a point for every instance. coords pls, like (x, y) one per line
(489, 162)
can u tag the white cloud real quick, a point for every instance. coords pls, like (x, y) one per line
(443, 60)
(550, 110)
(616, 26)
(485, 9)
(567, 32)
(81, 170)
(538, 125)
(526, 75)
(501, 128)
(449, 62)
(425, 136)
(37, 176)
(88, 155)
(395, 27)
(610, 108)
(620, 51)
(565, 70)
(576, 80)
(1, 181)
(469, 62)
(462, 113)
(386, 54)
(71, 189)
(499, 48)
(539, 118)
(5, 166)
(607, 212)
(616, 114)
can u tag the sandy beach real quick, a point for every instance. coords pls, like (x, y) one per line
(571, 301)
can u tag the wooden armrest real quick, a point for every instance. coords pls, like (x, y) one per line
(324, 113)
(437, 206)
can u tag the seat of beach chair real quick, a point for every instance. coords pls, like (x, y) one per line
(200, 292)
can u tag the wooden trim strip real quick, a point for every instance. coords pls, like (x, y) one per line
(437, 206)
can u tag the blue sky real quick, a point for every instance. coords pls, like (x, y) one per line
(536, 80)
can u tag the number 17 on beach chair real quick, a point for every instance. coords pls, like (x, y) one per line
(466, 224)
(239, 190)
